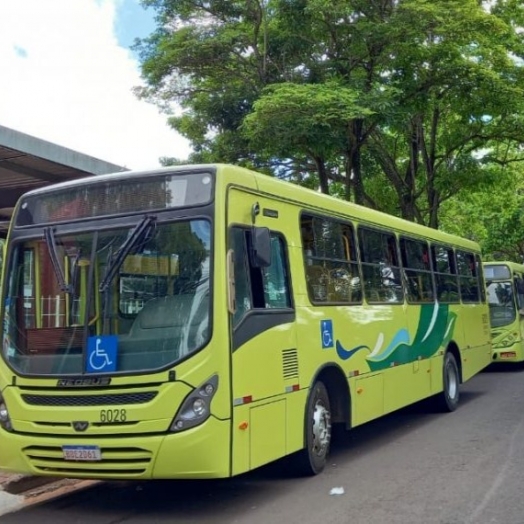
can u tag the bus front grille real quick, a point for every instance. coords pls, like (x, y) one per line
(123, 462)
(114, 399)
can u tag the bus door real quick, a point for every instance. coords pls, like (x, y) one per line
(262, 332)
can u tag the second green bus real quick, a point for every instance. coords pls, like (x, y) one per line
(505, 292)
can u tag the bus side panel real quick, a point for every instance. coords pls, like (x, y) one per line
(268, 432)
(265, 356)
(476, 349)
(407, 384)
(368, 400)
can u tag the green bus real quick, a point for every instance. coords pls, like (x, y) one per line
(200, 321)
(505, 293)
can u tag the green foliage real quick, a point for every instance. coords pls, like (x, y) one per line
(309, 119)
(396, 104)
(492, 216)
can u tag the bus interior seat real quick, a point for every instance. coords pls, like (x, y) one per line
(162, 325)
(317, 281)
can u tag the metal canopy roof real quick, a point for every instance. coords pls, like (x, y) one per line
(28, 163)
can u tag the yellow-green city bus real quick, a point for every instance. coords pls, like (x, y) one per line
(201, 321)
(505, 293)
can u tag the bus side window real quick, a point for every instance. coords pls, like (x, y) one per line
(467, 270)
(380, 266)
(330, 260)
(480, 275)
(444, 268)
(415, 259)
(519, 287)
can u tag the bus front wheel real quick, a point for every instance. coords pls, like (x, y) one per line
(312, 459)
(449, 398)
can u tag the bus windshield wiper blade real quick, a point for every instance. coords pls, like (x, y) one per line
(50, 241)
(138, 233)
(74, 271)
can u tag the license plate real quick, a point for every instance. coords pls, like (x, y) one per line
(85, 453)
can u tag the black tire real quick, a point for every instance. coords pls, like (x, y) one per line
(317, 433)
(448, 400)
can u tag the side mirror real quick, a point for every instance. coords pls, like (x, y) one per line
(520, 286)
(260, 247)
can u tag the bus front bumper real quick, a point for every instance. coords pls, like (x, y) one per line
(197, 453)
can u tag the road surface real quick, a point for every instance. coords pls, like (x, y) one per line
(413, 466)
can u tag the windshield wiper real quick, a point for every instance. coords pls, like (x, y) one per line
(137, 234)
(50, 241)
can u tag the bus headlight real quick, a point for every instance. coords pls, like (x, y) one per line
(5, 421)
(508, 340)
(196, 407)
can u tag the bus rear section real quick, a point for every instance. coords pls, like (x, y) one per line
(505, 293)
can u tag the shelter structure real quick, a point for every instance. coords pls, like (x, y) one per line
(27, 162)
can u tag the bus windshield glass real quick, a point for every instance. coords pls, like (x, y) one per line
(502, 307)
(122, 300)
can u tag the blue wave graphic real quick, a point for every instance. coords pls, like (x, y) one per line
(401, 337)
(344, 354)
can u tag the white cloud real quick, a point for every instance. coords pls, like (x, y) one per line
(65, 79)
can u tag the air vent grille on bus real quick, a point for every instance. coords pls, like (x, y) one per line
(116, 399)
(290, 363)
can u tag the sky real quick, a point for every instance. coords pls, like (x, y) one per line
(67, 77)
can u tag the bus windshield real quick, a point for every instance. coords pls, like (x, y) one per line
(502, 307)
(143, 291)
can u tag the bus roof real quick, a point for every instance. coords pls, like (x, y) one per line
(284, 191)
(514, 266)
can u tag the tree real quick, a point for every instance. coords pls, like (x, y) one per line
(306, 119)
(349, 94)
(492, 216)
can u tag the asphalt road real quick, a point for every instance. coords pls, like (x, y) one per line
(413, 466)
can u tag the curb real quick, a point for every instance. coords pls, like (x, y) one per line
(19, 484)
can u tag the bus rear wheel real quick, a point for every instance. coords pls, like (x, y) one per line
(449, 398)
(313, 458)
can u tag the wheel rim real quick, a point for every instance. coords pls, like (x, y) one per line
(452, 381)
(321, 429)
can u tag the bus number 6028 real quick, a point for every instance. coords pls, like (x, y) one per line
(113, 415)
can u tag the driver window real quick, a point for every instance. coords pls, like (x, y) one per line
(259, 288)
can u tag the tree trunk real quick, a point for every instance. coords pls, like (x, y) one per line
(322, 174)
(354, 182)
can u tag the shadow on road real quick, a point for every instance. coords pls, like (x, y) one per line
(505, 367)
(233, 499)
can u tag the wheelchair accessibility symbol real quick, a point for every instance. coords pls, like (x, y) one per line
(102, 354)
(326, 334)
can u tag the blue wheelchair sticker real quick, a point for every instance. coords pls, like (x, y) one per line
(326, 334)
(102, 353)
